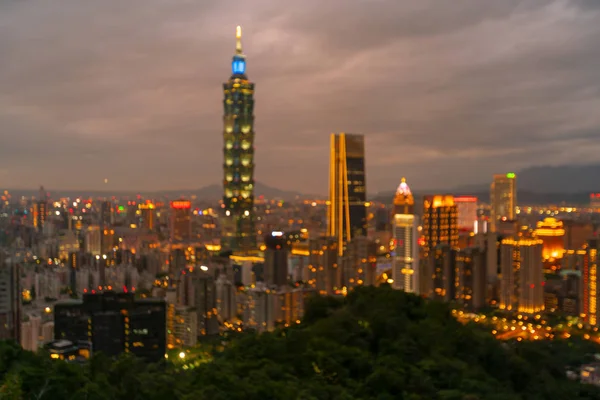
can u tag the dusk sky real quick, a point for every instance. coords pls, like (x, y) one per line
(446, 92)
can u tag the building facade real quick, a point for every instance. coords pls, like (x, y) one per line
(467, 212)
(114, 323)
(181, 220)
(346, 212)
(238, 231)
(440, 222)
(522, 275)
(405, 269)
(503, 199)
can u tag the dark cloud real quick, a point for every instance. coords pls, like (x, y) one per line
(447, 93)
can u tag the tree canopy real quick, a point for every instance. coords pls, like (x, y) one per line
(375, 343)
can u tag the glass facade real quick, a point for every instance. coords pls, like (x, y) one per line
(238, 151)
(347, 215)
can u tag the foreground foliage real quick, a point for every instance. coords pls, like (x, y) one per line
(377, 343)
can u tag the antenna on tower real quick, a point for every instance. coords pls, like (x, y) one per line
(238, 41)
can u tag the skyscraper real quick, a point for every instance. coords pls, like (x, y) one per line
(346, 213)
(405, 270)
(590, 281)
(40, 210)
(503, 198)
(238, 135)
(467, 212)
(521, 287)
(440, 222)
(10, 298)
(181, 220)
(276, 259)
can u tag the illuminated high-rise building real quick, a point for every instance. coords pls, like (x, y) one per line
(10, 298)
(147, 216)
(107, 213)
(346, 213)
(40, 211)
(181, 220)
(276, 259)
(440, 222)
(589, 283)
(238, 135)
(467, 212)
(521, 286)
(503, 199)
(405, 270)
(552, 233)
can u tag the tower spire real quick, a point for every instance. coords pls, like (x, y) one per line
(238, 40)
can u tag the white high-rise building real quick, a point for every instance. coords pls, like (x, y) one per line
(405, 269)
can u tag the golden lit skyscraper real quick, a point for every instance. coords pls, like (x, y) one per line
(552, 233)
(590, 281)
(346, 213)
(503, 198)
(238, 168)
(405, 269)
(440, 222)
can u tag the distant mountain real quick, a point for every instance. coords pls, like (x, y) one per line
(208, 193)
(567, 184)
(570, 179)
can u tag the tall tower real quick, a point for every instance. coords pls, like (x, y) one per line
(503, 198)
(346, 213)
(405, 270)
(238, 168)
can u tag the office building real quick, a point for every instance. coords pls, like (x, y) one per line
(197, 289)
(185, 326)
(440, 278)
(107, 214)
(322, 272)
(440, 222)
(346, 212)
(359, 262)
(577, 234)
(10, 298)
(276, 259)
(260, 312)
(405, 269)
(552, 233)
(590, 282)
(471, 270)
(238, 219)
(522, 277)
(114, 323)
(503, 199)
(40, 211)
(181, 221)
(466, 207)
(147, 216)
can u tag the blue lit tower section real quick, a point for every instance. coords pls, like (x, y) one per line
(238, 232)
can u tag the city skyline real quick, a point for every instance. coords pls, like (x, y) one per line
(134, 93)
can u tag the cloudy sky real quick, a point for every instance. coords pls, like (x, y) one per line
(446, 92)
